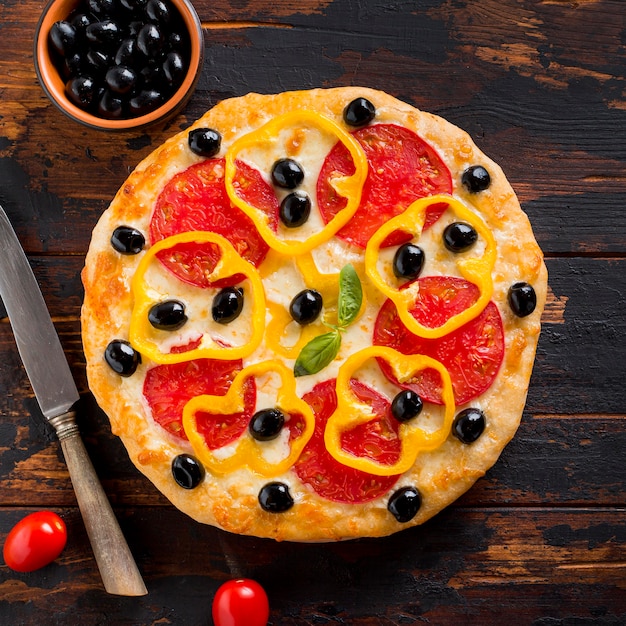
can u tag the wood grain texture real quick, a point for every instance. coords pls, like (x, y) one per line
(541, 539)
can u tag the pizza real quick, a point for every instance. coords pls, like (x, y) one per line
(313, 315)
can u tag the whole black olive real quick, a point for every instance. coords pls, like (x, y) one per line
(476, 178)
(157, 11)
(469, 425)
(359, 112)
(145, 101)
(408, 261)
(306, 306)
(522, 299)
(227, 305)
(150, 40)
(187, 471)
(266, 424)
(81, 90)
(63, 37)
(101, 8)
(73, 65)
(173, 67)
(128, 54)
(122, 358)
(105, 33)
(204, 142)
(127, 240)
(459, 236)
(121, 79)
(97, 63)
(287, 173)
(295, 209)
(406, 405)
(275, 497)
(110, 106)
(404, 504)
(168, 315)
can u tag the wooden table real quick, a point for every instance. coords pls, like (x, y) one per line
(541, 86)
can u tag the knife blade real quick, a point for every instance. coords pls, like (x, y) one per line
(54, 387)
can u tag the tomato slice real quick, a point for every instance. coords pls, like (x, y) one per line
(167, 388)
(402, 168)
(472, 354)
(196, 200)
(376, 439)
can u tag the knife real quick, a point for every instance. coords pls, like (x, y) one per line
(56, 393)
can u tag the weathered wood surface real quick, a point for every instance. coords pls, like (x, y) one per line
(542, 538)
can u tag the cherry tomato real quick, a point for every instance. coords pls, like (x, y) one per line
(402, 168)
(35, 541)
(472, 354)
(196, 199)
(376, 439)
(167, 388)
(241, 602)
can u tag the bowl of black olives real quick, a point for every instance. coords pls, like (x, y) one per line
(119, 64)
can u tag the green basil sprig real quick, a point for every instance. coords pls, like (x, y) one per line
(321, 350)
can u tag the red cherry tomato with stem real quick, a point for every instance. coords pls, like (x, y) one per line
(35, 541)
(241, 602)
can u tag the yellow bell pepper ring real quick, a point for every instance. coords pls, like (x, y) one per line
(349, 187)
(230, 263)
(477, 270)
(248, 451)
(350, 412)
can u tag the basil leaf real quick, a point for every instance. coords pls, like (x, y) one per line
(317, 354)
(350, 295)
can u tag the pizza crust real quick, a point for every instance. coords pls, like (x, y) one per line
(230, 501)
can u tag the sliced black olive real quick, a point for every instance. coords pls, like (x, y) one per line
(81, 90)
(266, 424)
(204, 142)
(306, 306)
(105, 33)
(145, 101)
(227, 305)
(127, 240)
(188, 472)
(359, 112)
(150, 40)
(404, 504)
(406, 405)
(408, 261)
(275, 497)
(122, 358)
(295, 209)
(168, 315)
(63, 37)
(476, 178)
(469, 425)
(121, 79)
(522, 299)
(459, 236)
(287, 173)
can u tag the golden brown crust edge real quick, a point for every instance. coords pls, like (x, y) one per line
(227, 502)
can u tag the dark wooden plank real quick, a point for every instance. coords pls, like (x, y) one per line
(467, 566)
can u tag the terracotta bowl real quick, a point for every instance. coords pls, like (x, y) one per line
(54, 85)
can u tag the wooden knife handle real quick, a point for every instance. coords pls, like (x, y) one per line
(118, 569)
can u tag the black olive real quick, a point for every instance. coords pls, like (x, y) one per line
(469, 425)
(101, 8)
(406, 405)
(80, 21)
(73, 65)
(408, 261)
(275, 498)
(476, 178)
(168, 315)
(187, 471)
(81, 90)
(128, 54)
(153, 77)
(127, 240)
(63, 37)
(204, 142)
(145, 101)
(306, 306)
(121, 79)
(132, 5)
(134, 27)
(174, 41)
(97, 63)
(227, 305)
(173, 67)
(405, 503)
(266, 424)
(150, 40)
(105, 33)
(287, 173)
(110, 106)
(157, 11)
(459, 236)
(359, 112)
(522, 299)
(122, 358)
(295, 209)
